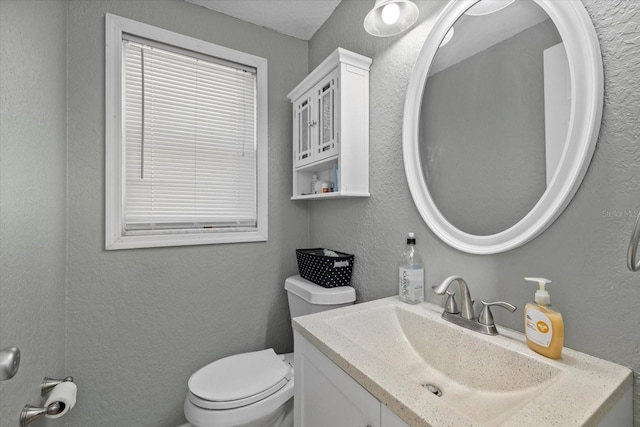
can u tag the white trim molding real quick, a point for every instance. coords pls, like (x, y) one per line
(115, 235)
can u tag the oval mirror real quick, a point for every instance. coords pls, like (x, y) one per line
(501, 119)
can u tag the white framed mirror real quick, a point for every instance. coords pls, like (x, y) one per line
(501, 119)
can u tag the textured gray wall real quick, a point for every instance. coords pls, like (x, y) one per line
(583, 252)
(141, 321)
(33, 165)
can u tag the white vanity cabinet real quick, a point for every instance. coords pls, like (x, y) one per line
(326, 396)
(331, 127)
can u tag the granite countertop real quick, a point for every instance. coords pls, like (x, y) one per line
(388, 347)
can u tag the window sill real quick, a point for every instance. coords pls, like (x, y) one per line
(182, 239)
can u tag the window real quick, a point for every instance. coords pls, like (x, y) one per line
(186, 138)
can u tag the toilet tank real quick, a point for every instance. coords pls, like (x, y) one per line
(306, 297)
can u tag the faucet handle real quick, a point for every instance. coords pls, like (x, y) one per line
(451, 306)
(486, 318)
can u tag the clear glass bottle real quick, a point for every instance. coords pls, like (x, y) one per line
(314, 181)
(411, 274)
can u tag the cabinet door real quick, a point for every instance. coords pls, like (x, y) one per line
(302, 123)
(326, 396)
(326, 130)
(389, 419)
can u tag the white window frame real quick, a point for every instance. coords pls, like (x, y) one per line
(115, 235)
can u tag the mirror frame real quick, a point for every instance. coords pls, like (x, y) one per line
(583, 54)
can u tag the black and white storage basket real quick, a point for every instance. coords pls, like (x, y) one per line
(326, 271)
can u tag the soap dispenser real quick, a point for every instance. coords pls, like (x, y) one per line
(543, 324)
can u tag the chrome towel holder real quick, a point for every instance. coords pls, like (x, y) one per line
(48, 384)
(31, 413)
(632, 254)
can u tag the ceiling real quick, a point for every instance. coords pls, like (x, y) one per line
(296, 18)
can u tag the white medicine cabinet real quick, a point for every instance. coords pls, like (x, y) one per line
(331, 127)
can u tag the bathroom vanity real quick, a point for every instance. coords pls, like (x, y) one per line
(386, 363)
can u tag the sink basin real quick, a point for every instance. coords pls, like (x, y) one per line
(427, 351)
(432, 372)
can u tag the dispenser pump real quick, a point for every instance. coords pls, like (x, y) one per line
(411, 239)
(542, 296)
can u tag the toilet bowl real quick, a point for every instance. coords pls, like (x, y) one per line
(255, 389)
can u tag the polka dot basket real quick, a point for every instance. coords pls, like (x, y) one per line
(326, 271)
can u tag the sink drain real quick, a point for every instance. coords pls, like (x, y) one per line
(433, 389)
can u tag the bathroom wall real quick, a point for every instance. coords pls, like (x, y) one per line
(33, 213)
(141, 321)
(583, 252)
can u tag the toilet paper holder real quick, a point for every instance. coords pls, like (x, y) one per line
(31, 413)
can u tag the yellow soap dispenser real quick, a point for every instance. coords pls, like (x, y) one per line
(543, 324)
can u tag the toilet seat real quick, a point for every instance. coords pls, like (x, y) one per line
(239, 380)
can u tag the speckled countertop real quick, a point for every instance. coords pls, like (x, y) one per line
(392, 349)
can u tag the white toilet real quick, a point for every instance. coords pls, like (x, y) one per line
(256, 389)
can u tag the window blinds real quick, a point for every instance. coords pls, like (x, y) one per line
(190, 135)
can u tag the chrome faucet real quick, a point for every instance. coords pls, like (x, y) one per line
(466, 303)
(465, 317)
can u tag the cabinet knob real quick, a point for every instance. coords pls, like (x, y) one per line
(312, 123)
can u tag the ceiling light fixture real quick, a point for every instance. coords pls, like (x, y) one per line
(447, 37)
(390, 17)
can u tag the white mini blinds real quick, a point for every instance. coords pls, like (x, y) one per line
(190, 134)
(186, 140)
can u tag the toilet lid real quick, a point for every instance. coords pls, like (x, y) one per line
(239, 380)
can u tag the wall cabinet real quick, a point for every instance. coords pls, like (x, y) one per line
(326, 396)
(315, 123)
(331, 127)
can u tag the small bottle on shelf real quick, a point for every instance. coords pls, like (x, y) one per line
(314, 181)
